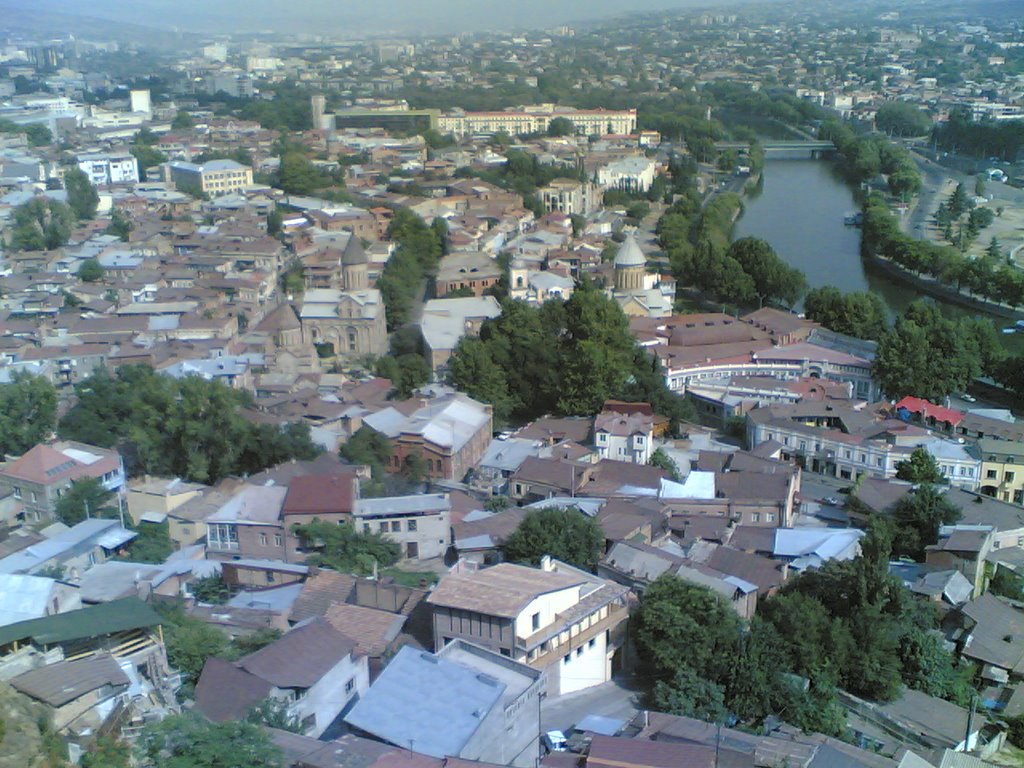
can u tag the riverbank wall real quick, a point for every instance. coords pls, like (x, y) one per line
(935, 289)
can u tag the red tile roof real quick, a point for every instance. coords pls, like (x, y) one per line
(929, 410)
(320, 494)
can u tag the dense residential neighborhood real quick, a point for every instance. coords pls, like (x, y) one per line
(643, 391)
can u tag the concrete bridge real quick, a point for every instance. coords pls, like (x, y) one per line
(812, 146)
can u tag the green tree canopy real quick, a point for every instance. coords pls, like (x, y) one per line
(343, 548)
(190, 741)
(561, 126)
(921, 467)
(901, 118)
(90, 271)
(860, 313)
(190, 427)
(182, 121)
(84, 498)
(41, 224)
(28, 412)
(297, 175)
(120, 225)
(918, 517)
(774, 280)
(566, 534)
(82, 195)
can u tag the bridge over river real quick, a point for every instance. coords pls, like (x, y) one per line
(813, 147)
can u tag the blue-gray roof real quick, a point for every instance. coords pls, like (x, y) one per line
(427, 704)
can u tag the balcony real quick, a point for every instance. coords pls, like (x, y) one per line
(617, 614)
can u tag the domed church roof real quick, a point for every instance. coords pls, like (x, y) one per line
(629, 254)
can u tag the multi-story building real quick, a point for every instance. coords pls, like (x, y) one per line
(570, 196)
(536, 119)
(629, 174)
(215, 178)
(837, 439)
(449, 434)
(41, 476)
(110, 168)
(466, 270)
(555, 618)
(624, 436)
(1002, 469)
(420, 524)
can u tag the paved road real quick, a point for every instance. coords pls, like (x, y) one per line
(612, 699)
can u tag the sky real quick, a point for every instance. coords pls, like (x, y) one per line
(358, 16)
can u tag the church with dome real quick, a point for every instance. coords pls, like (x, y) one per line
(639, 293)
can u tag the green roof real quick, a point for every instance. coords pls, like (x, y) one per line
(93, 621)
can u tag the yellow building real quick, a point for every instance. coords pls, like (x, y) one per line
(215, 178)
(1002, 469)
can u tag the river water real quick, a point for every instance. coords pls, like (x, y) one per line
(799, 208)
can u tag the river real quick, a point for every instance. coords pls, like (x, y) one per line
(799, 207)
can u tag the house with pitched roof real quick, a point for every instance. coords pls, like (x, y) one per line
(40, 476)
(314, 669)
(555, 618)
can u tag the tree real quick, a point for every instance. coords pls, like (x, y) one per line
(561, 126)
(120, 225)
(343, 548)
(82, 195)
(190, 642)
(367, 446)
(662, 460)
(918, 517)
(297, 175)
(274, 221)
(41, 224)
(274, 713)
(407, 373)
(860, 314)
(689, 695)
(28, 412)
(210, 589)
(182, 121)
(681, 625)
(921, 467)
(190, 741)
(900, 118)
(566, 534)
(85, 498)
(243, 645)
(107, 752)
(90, 271)
(773, 279)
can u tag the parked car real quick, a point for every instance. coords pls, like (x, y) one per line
(832, 501)
(555, 741)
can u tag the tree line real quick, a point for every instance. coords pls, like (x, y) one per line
(574, 355)
(981, 138)
(746, 272)
(990, 276)
(849, 624)
(865, 157)
(417, 255)
(189, 428)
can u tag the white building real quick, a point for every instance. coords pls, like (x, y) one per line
(630, 174)
(110, 168)
(624, 436)
(555, 618)
(420, 524)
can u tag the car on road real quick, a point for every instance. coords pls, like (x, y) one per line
(832, 501)
(968, 398)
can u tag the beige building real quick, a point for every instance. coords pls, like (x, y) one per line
(536, 119)
(420, 525)
(215, 178)
(1002, 469)
(151, 499)
(555, 618)
(570, 196)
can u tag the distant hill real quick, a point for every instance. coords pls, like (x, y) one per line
(15, 17)
(353, 18)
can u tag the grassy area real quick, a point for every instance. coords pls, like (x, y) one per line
(410, 578)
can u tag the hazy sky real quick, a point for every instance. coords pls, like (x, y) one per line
(313, 16)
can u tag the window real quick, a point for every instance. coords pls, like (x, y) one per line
(35, 497)
(535, 621)
(769, 517)
(847, 454)
(223, 536)
(270, 577)
(396, 526)
(350, 685)
(366, 527)
(263, 539)
(755, 517)
(567, 658)
(579, 651)
(1008, 477)
(411, 526)
(991, 474)
(592, 642)
(17, 492)
(278, 540)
